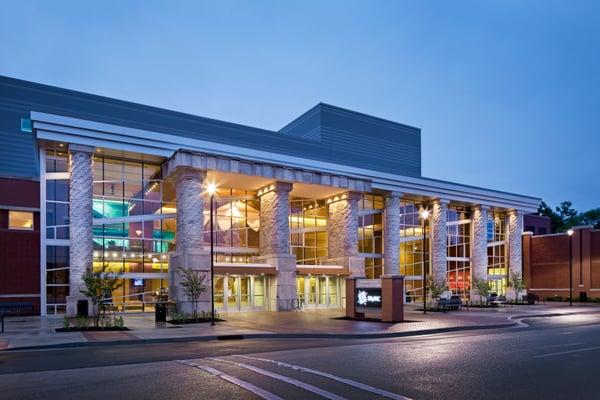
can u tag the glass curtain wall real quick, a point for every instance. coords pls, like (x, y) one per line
(134, 228)
(308, 230)
(55, 178)
(236, 223)
(412, 244)
(370, 233)
(496, 248)
(459, 250)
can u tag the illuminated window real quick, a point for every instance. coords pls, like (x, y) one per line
(20, 220)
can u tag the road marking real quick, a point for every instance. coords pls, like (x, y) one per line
(349, 382)
(567, 352)
(232, 379)
(559, 345)
(291, 381)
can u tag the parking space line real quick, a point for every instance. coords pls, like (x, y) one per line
(232, 379)
(346, 381)
(303, 385)
(560, 353)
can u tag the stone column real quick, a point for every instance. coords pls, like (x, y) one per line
(391, 234)
(439, 240)
(342, 233)
(80, 221)
(515, 231)
(479, 256)
(274, 237)
(189, 253)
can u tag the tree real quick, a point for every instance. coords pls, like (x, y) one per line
(482, 288)
(562, 218)
(193, 284)
(517, 283)
(590, 217)
(99, 284)
(435, 288)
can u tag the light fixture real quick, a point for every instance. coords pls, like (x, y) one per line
(424, 214)
(138, 232)
(211, 188)
(570, 232)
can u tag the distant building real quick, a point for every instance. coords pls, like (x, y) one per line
(537, 224)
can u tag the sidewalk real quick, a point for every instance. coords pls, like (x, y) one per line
(25, 332)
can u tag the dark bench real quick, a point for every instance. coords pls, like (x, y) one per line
(14, 307)
(453, 303)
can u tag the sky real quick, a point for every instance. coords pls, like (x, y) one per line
(507, 93)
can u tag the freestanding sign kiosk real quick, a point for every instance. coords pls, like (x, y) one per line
(380, 298)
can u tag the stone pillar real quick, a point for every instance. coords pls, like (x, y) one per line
(391, 234)
(479, 255)
(439, 240)
(515, 231)
(274, 236)
(81, 245)
(189, 253)
(342, 233)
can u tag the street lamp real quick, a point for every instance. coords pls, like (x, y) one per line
(424, 216)
(570, 233)
(211, 188)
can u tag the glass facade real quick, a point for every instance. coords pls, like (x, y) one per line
(241, 292)
(496, 249)
(321, 291)
(412, 244)
(370, 233)
(308, 230)
(459, 250)
(134, 228)
(55, 181)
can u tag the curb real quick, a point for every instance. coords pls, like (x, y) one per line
(265, 336)
(512, 323)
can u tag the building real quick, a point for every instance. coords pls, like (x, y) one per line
(537, 224)
(335, 193)
(546, 262)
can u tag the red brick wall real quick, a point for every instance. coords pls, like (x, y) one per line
(546, 263)
(19, 249)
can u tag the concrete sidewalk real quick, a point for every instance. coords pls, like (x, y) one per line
(27, 332)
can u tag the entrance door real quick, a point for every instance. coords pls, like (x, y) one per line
(244, 293)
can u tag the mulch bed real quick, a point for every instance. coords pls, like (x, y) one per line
(193, 321)
(92, 329)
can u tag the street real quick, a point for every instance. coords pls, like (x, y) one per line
(551, 358)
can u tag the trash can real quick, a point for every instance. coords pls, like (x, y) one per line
(82, 308)
(160, 312)
(583, 297)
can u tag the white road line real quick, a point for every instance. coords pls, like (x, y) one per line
(232, 379)
(567, 352)
(346, 381)
(286, 379)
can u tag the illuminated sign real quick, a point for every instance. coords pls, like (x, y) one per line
(368, 298)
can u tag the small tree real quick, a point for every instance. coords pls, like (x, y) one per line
(517, 283)
(435, 288)
(98, 284)
(482, 288)
(193, 284)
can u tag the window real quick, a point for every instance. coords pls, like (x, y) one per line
(20, 220)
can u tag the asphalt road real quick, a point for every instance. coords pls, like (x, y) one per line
(554, 358)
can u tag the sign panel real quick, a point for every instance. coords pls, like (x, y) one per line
(368, 283)
(368, 298)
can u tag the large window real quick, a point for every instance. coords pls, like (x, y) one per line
(235, 224)
(22, 220)
(459, 250)
(412, 244)
(370, 233)
(308, 230)
(496, 248)
(55, 258)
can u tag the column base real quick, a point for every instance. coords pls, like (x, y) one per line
(355, 264)
(72, 305)
(285, 281)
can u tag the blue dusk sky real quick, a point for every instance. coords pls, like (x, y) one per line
(506, 92)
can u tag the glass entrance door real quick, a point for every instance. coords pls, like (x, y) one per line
(242, 293)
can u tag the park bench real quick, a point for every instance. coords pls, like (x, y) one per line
(453, 303)
(14, 307)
